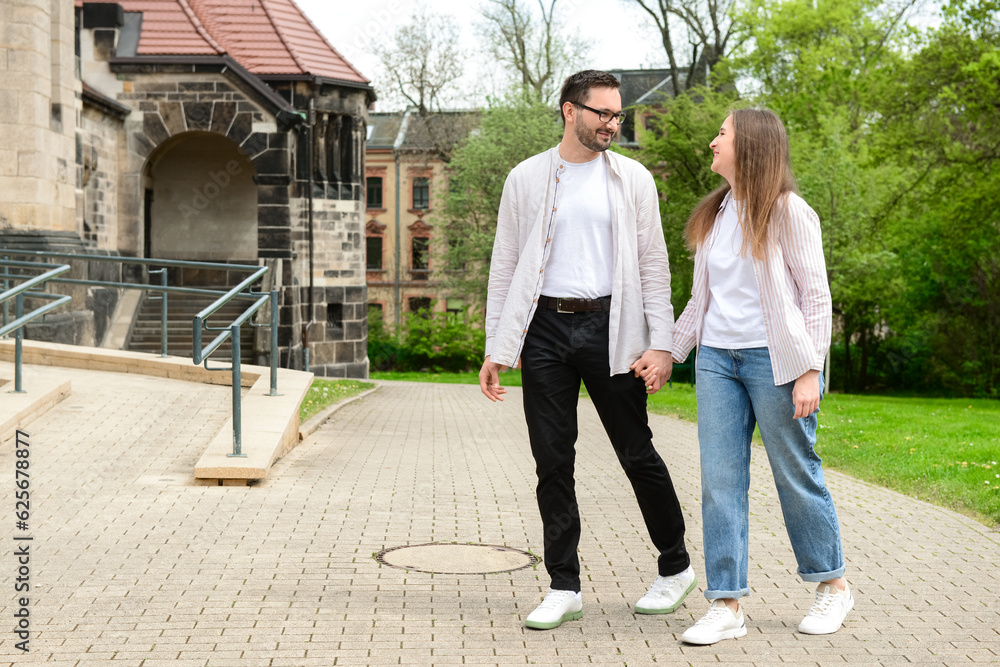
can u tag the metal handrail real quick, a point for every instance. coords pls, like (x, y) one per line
(18, 293)
(202, 354)
(199, 354)
(34, 314)
(57, 270)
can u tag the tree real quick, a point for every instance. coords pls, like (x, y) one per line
(512, 130)
(709, 31)
(941, 122)
(537, 53)
(422, 63)
(812, 58)
(895, 138)
(895, 142)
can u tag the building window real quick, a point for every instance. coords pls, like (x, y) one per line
(455, 309)
(421, 193)
(420, 303)
(373, 253)
(421, 258)
(374, 192)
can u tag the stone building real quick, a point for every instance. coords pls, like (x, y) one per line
(406, 182)
(642, 91)
(219, 130)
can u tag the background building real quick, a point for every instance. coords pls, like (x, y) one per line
(640, 88)
(406, 182)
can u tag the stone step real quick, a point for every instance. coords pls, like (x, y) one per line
(181, 309)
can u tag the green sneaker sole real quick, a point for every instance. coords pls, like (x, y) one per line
(668, 610)
(571, 616)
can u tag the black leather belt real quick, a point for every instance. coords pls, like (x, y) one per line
(574, 305)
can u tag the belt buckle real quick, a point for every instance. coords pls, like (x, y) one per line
(559, 308)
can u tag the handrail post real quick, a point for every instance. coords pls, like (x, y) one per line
(274, 343)
(163, 309)
(163, 315)
(237, 391)
(18, 344)
(6, 306)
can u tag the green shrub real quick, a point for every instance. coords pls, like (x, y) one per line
(383, 348)
(427, 340)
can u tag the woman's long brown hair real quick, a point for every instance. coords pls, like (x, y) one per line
(761, 175)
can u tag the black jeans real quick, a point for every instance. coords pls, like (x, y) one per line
(560, 349)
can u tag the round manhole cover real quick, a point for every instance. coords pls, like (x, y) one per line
(450, 558)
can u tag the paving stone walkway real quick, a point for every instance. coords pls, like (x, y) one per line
(134, 564)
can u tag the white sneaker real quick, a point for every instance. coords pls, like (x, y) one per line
(719, 623)
(667, 593)
(558, 606)
(828, 611)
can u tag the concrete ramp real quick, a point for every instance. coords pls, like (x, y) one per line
(270, 423)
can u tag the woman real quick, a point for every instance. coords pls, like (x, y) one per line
(760, 314)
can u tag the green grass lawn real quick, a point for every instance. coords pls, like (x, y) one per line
(324, 393)
(942, 450)
(675, 400)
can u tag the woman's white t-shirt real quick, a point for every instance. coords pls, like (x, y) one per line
(734, 320)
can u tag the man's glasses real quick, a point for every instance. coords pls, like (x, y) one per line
(604, 116)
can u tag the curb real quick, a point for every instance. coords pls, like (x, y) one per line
(316, 421)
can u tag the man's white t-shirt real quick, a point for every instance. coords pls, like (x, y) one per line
(580, 261)
(735, 320)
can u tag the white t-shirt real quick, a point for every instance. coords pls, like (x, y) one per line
(734, 320)
(580, 260)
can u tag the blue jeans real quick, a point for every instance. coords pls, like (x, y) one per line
(735, 391)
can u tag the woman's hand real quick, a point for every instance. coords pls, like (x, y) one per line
(654, 367)
(805, 394)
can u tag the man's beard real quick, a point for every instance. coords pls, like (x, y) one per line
(590, 139)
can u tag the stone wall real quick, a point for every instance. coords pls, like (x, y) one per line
(38, 109)
(338, 337)
(97, 179)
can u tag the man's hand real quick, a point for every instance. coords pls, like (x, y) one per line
(489, 381)
(654, 367)
(805, 394)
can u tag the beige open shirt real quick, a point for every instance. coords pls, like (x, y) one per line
(641, 316)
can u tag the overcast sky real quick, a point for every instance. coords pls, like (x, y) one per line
(621, 38)
(621, 34)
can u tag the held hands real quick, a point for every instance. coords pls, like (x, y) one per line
(489, 381)
(805, 394)
(654, 367)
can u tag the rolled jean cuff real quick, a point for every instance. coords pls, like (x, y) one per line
(816, 577)
(721, 595)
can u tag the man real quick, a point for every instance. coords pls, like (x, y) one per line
(580, 289)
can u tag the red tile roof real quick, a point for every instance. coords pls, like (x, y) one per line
(264, 36)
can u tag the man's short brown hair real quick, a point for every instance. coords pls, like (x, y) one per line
(577, 87)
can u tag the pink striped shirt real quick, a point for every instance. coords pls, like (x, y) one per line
(794, 295)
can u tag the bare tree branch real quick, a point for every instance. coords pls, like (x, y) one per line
(535, 49)
(421, 66)
(708, 27)
(421, 62)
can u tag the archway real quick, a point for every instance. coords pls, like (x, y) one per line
(201, 200)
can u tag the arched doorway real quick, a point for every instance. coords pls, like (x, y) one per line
(201, 200)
